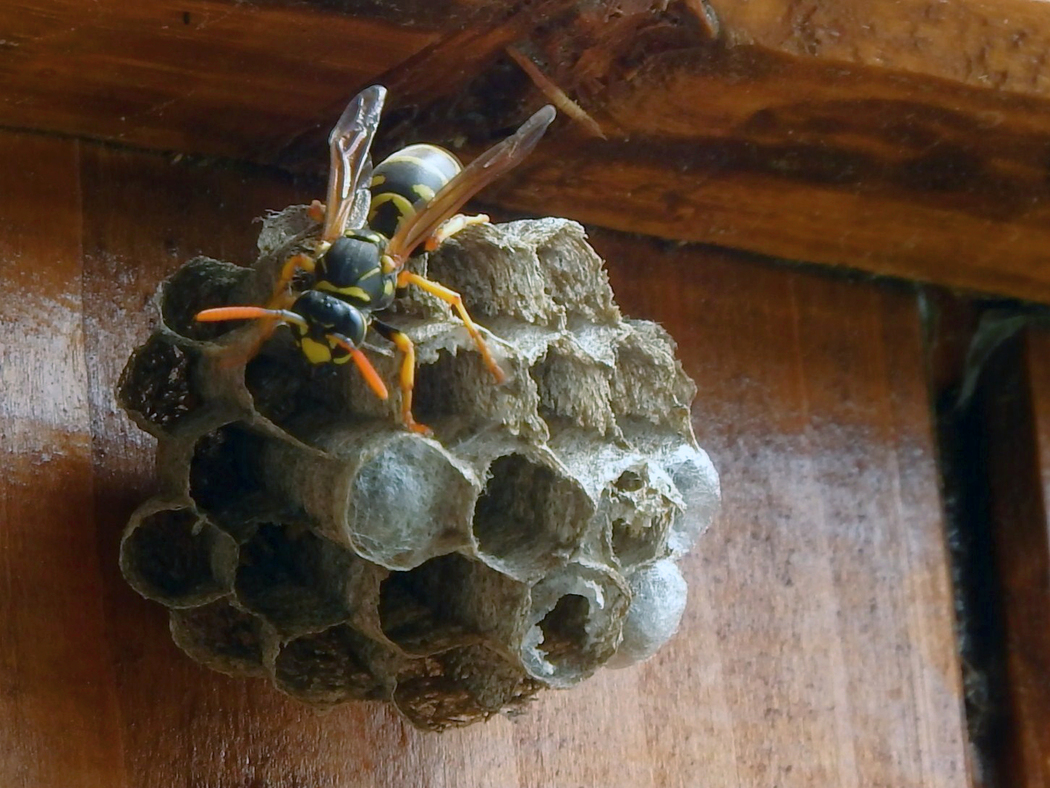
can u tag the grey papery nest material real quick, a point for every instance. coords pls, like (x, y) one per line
(303, 535)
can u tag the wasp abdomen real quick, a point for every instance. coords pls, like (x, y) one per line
(404, 180)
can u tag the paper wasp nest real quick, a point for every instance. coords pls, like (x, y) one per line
(305, 536)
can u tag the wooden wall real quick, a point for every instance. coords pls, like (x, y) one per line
(818, 645)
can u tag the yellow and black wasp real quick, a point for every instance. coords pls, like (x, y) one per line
(372, 222)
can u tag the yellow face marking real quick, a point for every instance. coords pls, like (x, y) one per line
(332, 344)
(424, 191)
(315, 352)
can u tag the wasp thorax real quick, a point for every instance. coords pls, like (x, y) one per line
(330, 324)
(351, 269)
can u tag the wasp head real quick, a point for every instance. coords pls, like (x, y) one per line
(329, 324)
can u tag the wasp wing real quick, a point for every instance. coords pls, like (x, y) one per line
(351, 168)
(476, 176)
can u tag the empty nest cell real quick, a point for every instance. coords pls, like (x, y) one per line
(529, 517)
(202, 283)
(225, 477)
(174, 556)
(576, 623)
(298, 581)
(456, 384)
(448, 601)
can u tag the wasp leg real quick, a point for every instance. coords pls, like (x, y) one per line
(316, 211)
(455, 300)
(288, 270)
(408, 373)
(450, 227)
(268, 319)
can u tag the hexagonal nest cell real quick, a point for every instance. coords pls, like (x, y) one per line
(302, 534)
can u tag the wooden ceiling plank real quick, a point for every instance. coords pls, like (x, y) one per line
(201, 76)
(983, 43)
(852, 167)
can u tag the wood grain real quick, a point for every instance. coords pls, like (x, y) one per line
(825, 587)
(817, 646)
(983, 44)
(203, 76)
(58, 700)
(809, 160)
(902, 138)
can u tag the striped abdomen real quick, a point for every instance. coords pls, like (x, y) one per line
(405, 180)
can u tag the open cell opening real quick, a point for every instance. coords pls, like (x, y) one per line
(639, 531)
(178, 559)
(226, 477)
(328, 667)
(420, 610)
(158, 384)
(293, 578)
(222, 637)
(577, 619)
(200, 284)
(285, 387)
(527, 518)
(454, 385)
(564, 632)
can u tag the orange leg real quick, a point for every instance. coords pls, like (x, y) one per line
(279, 299)
(291, 265)
(450, 227)
(455, 300)
(316, 211)
(268, 317)
(408, 373)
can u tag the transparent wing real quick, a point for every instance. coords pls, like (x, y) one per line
(350, 168)
(475, 177)
(362, 199)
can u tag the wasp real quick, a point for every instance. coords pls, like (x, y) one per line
(372, 222)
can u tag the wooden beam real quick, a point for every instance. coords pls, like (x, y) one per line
(433, 82)
(801, 159)
(998, 44)
(200, 76)
(901, 138)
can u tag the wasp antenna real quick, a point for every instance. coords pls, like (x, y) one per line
(368, 372)
(247, 313)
